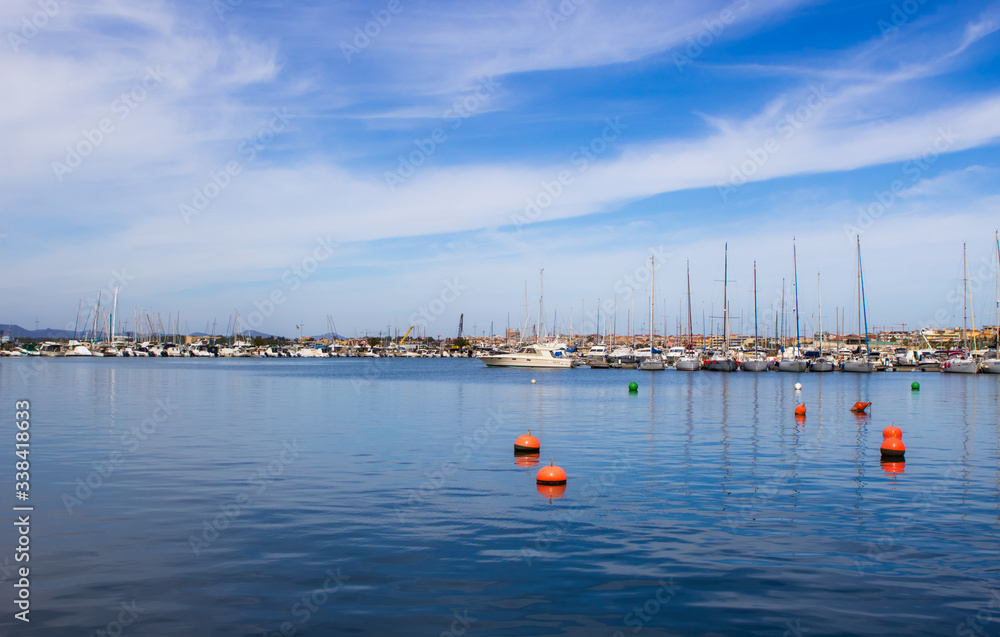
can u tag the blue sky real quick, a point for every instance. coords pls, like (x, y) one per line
(386, 163)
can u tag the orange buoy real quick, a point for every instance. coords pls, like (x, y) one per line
(551, 475)
(893, 449)
(552, 491)
(860, 407)
(892, 431)
(525, 459)
(527, 443)
(800, 410)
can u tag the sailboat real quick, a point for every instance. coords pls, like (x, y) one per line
(724, 361)
(963, 363)
(756, 362)
(688, 362)
(992, 363)
(797, 363)
(548, 355)
(857, 364)
(821, 364)
(653, 363)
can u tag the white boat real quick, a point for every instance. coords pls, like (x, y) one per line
(991, 363)
(821, 363)
(856, 364)
(796, 362)
(622, 356)
(688, 363)
(653, 362)
(755, 362)
(552, 355)
(963, 363)
(597, 357)
(723, 361)
(673, 354)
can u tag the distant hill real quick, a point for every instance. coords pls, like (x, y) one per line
(249, 333)
(16, 331)
(331, 336)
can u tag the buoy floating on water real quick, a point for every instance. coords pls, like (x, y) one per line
(527, 444)
(800, 410)
(893, 448)
(798, 386)
(915, 386)
(633, 387)
(860, 407)
(532, 381)
(551, 475)
(892, 431)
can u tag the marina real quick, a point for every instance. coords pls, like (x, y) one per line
(218, 494)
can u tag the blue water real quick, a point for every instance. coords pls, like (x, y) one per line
(382, 497)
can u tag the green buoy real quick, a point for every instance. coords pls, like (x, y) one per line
(632, 387)
(915, 386)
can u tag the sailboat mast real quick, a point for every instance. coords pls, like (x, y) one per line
(541, 297)
(690, 323)
(965, 312)
(755, 307)
(725, 299)
(819, 299)
(996, 320)
(795, 284)
(652, 277)
(861, 281)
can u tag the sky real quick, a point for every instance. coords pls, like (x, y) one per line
(384, 164)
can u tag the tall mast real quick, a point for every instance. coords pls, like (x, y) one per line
(795, 284)
(755, 347)
(541, 297)
(996, 320)
(819, 298)
(965, 312)
(652, 277)
(690, 324)
(861, 281)
(725, 300)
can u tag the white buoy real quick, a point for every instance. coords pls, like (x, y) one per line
(532, 381)
(798, 386)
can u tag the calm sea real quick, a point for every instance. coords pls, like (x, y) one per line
(382, 497)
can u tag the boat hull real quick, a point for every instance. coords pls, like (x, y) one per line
(722, 365)
(526, 361)
(960, 366)
(991, 366)
(754, 365)
(821, 366)
(794, 365)
(688, 364)
(858, 367)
